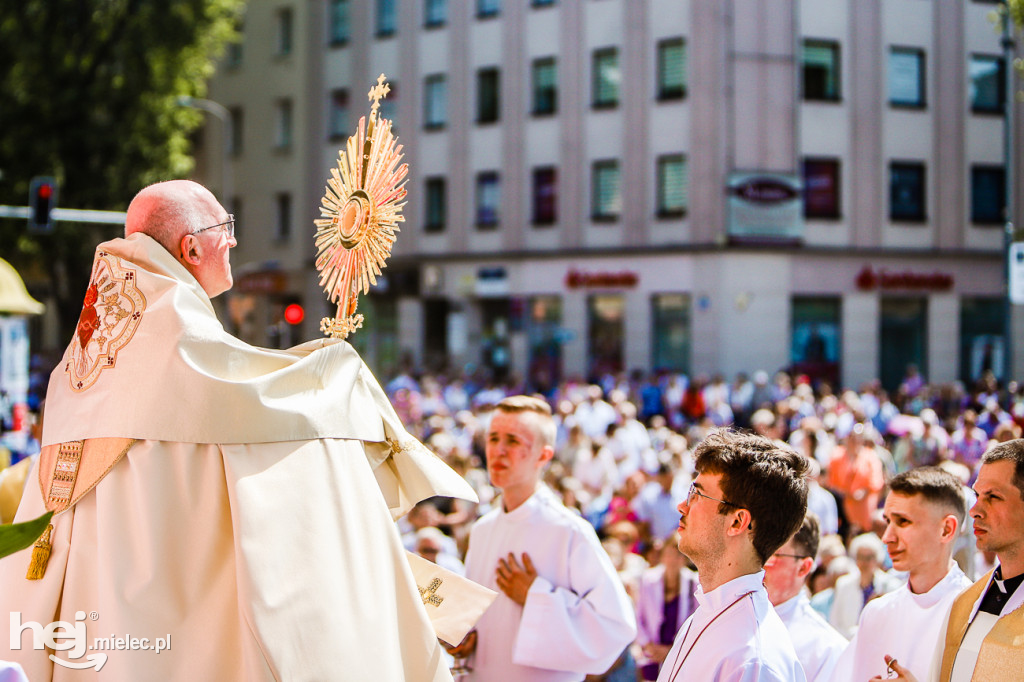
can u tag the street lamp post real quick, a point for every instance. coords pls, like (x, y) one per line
(1008, 175)
(221, 112)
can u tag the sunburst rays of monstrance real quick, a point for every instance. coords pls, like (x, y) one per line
(360, 212)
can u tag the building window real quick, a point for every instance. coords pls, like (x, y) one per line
(673, 185)
(284, 31)
(542, 3)
(389, 106)
(545, 195)
(671, 69)
(606, 332)
(670, 332)
(988, 84)
(435, 101)
(237, 129)
(339, 26)
(606, 78)
(233, 60)
(988, 195)
(488, 95)
(386, 19)
(283, 229)
(488, 199)
(906, 77)
(982, 338)
(607, 197)
(815, 334)
(437, 205)
(283, 126)
(436, 13)
(545, 336)
(821, 70)
(488, 8)
(337, 118)
(545, 86)
(236, 210)
(821, 181)
(906, 191)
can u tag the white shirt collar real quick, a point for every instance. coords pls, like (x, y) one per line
(725, 594)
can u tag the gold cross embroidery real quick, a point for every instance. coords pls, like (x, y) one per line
(377, 93)
(429, 593)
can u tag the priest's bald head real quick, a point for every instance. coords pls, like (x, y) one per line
(748, 498)
(188, 221)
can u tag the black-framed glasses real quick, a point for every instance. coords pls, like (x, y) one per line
(228, 226)
(694, 490)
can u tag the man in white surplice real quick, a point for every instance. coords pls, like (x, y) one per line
(818, 644)
(237, 501)
(923, 512)
(749, 497)
(562, 612)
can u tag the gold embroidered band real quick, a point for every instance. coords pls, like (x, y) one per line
(429, 593)
(65, 473)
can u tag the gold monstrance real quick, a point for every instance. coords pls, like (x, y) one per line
(360, 213)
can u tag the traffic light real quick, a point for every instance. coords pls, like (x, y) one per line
(42, 198)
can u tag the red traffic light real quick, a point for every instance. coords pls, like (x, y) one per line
(294, 314)
(45, 191)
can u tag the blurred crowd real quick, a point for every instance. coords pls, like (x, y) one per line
(623, 462)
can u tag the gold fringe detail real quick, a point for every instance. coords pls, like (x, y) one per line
(40, 556)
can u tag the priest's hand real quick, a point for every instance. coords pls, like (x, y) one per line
(465, 648)
(515, 580)
(902, 674)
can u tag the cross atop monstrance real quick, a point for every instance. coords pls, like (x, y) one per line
(377, 93)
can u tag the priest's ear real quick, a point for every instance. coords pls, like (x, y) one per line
(190, 250)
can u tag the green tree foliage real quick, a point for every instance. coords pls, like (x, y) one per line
(89, 90)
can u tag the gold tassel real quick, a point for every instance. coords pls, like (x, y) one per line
(40, 556)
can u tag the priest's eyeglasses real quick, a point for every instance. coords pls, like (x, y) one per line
(228, 226)
(694, 490)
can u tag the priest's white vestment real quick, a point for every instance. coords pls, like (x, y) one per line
(733, 636)
(818, 645)
(901, 624)
(236, 501)
(577, 618)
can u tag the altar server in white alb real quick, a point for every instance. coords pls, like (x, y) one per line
(923, 512)
(236, 501)
(818, 645)
(749, 497)
(981, 640)
(562, 612)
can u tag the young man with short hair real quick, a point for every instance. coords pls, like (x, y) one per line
(923, 511)
(562, 612)
(748, 498)
(818, 645)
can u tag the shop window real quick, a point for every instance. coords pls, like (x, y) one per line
(815, 336)
(671, 334)
(822, 188)
(982, 340)
(903, 338)
(545, 337)
(605, 334)
(821, 70)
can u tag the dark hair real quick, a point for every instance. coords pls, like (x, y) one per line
(760, 475)
(935, 485)
(1010, 451)
(808, 535)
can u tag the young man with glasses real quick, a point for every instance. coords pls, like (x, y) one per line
(748, 498)
(238, 501)
(818, 645)
(924, 510)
